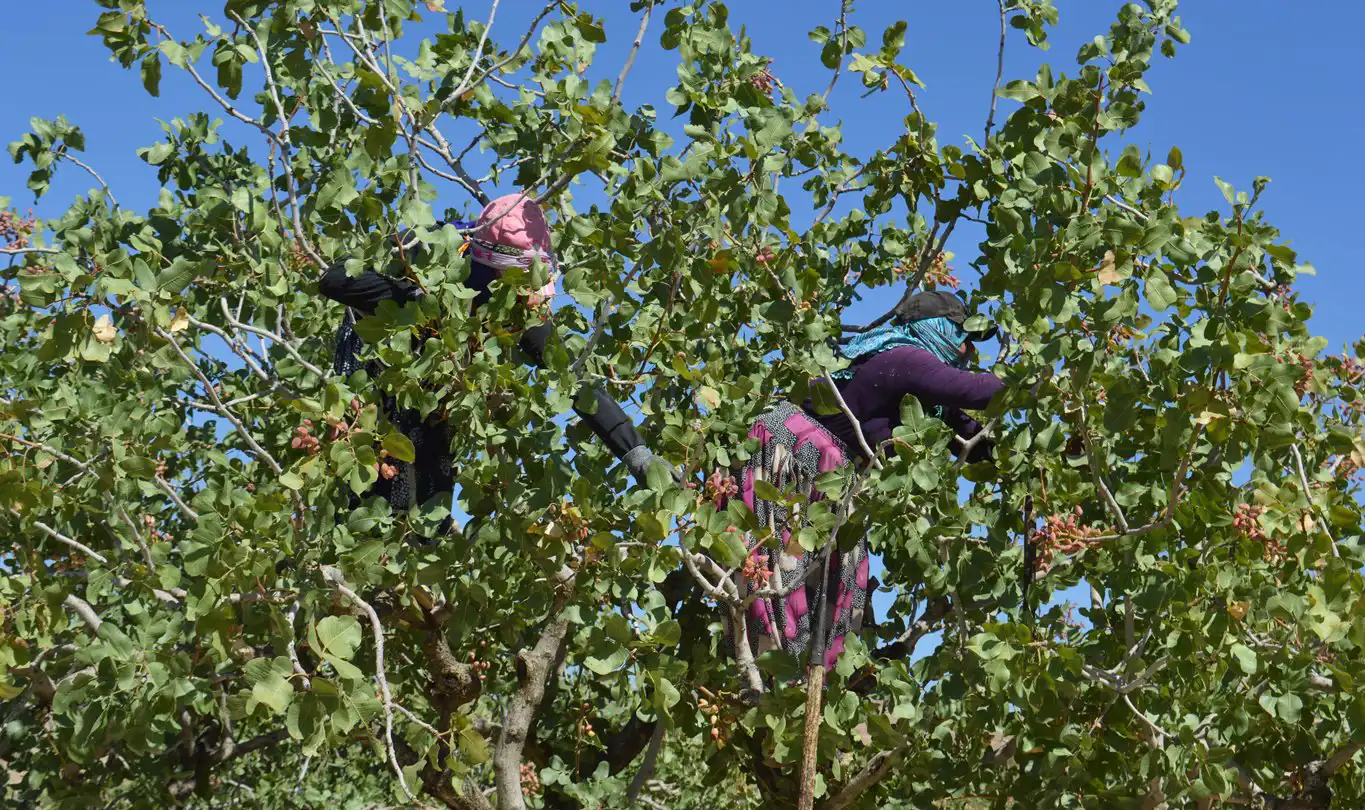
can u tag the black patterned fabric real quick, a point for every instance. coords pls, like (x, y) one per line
(430, 474)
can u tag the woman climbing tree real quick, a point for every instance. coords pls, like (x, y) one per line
(511, 232)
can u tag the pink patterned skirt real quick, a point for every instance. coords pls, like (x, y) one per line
(796, 450)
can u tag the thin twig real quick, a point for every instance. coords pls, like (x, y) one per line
(999, 73)
(285, 143)
(137, 535)
(417, 721)
(1308, 494)
(1095, 471)
(853, 421)
(176, 499)
(462, 87)
(19, 251)
(843, 188)
(843, 48)
(630, 58)
(1157, 730)
(83, 466)
(237, 346)
(208, 88)
(64, 156)
(256, 449)
(495, 67)
(61, 538)
(274, 338)
(292, 649)
(335, 578)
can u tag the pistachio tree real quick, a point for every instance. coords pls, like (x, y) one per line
(204, 606)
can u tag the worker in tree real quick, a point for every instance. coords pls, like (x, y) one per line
(511, 232)
(919, 352)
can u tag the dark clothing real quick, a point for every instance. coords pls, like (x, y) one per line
(364, 292)
(882, 380)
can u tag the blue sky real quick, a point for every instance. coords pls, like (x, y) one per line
(1264, 88)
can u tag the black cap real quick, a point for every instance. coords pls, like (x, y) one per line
(939, 304)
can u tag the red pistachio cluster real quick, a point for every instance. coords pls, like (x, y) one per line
(481, 667)
(764, 80)
(721, 487)
(756, 572)
(304, 440)
(941, 275)
(1064, 535)
(720, 722)
(1246, 520)
(530, 780)
(15, 231)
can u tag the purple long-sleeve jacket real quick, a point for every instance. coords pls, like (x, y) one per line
(881, 381)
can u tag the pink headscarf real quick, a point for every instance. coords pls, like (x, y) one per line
(512, 232)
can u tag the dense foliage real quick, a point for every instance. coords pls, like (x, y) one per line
(192, 612)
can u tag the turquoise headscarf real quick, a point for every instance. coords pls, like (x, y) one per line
(940, 337)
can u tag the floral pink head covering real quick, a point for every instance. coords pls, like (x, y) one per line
(512, 232)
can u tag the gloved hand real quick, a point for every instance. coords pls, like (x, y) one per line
(641, 458)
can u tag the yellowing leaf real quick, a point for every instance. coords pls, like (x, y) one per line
(181, 321)
(104, 329)
(1206, 417)
(1108, 270)
(1238, 610)
(709, 397)
(436, 5)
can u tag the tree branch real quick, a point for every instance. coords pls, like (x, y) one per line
(534, 669)
(251, 442)
(463, 86)
(180, 504)
(335, 578)
(873, 772)
(630, 58)
(86, 613)
(495, 67)
(843, 48)
(1308, 494)
(853, 421)
(76, 544)
(656, 739)
(999, 73)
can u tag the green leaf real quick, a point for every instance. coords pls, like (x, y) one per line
(177, 277)
(399, 446)
(824, 399)
(1226, 188)
(1289, 708)
(291, 481)
(1160, 293)
(157, 154)
(666, 695)
(337, 637)
(151, 73)
(608, 665)
(273, 691)
(764, 490)
(1020, 90)
(1245, 657)
(119, 644)
(473, 746)
(138, 467)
